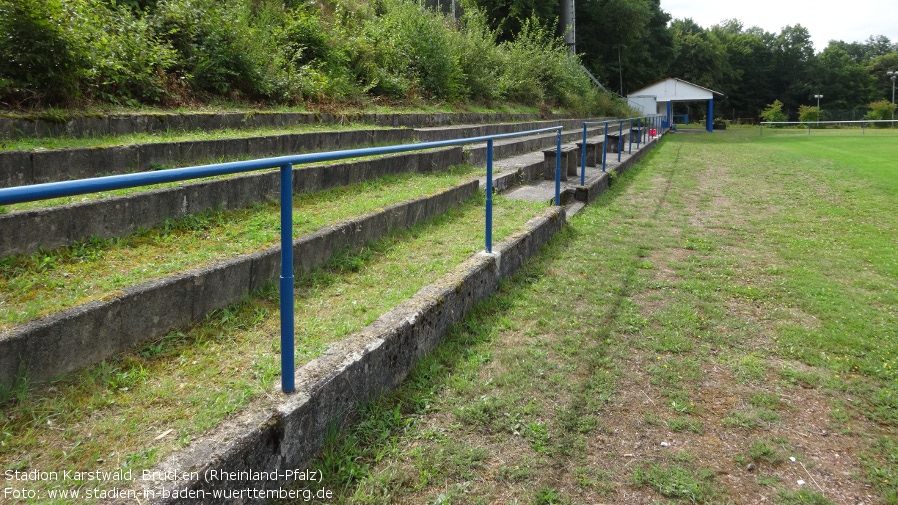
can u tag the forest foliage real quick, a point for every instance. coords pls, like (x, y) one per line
(629, 44)
(73, 53)
(177, 52)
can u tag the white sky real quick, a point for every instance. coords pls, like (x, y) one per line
(851, 21)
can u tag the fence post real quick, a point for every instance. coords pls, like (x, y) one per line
(489, 196)
(583, 158)
(558, 168)
(620, 139)
(605, 147)
(630, 136)
(286, 285)
(639, 129)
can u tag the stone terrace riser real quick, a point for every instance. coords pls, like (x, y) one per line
(25, 232)
(92, 126)
(78, 337)
(22, 168)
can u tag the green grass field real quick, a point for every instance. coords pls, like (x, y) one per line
(720, 327)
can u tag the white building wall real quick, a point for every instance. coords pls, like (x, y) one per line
(645, 103)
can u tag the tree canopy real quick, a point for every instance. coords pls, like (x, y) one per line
(177, 51)
(629, 44)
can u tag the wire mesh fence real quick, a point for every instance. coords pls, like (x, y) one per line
(858, 127)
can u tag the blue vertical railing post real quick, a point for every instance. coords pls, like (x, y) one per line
(286, 286)
(583, 158)
(489, 196)
(630, 137)
(558, 168)
(620, 139)
(605, 147)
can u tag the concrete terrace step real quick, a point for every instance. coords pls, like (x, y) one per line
(23, 232)
(595, 181)
(276, 431)
(88, 333)
(26, 167)
(27, 231)
(22, 168)
(128, 124)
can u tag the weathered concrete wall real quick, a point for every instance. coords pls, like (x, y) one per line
(26, 231)
(287, 432)
(19, 168)
(92, 126)
(75, 338)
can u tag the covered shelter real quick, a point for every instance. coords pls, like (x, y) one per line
(659, 97)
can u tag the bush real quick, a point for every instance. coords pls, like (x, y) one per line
(881, 110)
(526, 71)
(128, 61)
(412, 49)
(317, 63)
(809, 113)
(63, 52)
(41, 59)
(773, 112)
(224, 47)
(479, 58)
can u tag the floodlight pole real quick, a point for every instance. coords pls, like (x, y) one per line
(818, 97)
(620, 68)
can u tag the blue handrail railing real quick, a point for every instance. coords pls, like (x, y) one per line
(620, 125)
(22, 194)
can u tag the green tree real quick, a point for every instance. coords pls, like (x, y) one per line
(794, 66)
(878, 67)
(699, 57)
(843, 81)
(508, 17)
(809, 113)
(881, 110)
(774, 112)
(747, 83)
(613, 35)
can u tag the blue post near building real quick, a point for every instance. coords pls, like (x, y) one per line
(710, 121)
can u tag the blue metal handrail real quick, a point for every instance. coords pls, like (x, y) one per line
(651, 120)
(45, 191)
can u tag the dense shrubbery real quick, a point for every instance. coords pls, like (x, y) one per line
(809, 113)
(774, 112)
(73, 52)
(881, 110)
